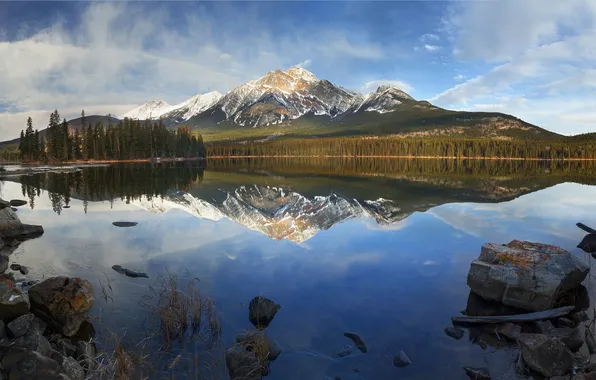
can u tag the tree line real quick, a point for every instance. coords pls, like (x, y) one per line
(125, 140)
(410, 147)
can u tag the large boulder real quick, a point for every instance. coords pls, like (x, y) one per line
(525, 275)
(243, 365)
(11, 226)
(545, 354)
(62, 302)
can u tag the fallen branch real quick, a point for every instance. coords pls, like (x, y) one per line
(586, 228)
(517, 318)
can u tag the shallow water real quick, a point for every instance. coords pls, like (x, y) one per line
(383, 253)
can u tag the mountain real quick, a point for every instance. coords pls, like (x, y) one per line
(156, 109)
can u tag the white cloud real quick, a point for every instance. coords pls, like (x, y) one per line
(304, 63)
(459, 77)
(432, 47)
(373, 85)
(429, 37)
(545, 54)
(107, 62)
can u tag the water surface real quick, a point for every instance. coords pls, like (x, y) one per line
(381, 248)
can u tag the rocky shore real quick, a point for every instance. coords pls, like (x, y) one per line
(45, 331)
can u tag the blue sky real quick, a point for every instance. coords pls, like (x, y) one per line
(533, 58)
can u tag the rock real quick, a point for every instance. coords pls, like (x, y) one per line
(454, 332)
(64, 346)
(358, 342)
(13, 303)
(128, 272)
(11, 226)
(25, 323)
(261, 311)
(73, 369)
(21, 268)
(22, 364)
(62, 302)
(2, 330)
(17, 202)
(525, 275)
(580, 316)
(591, 363)
(3, 263)
(125, 224)
(565, 322)
(590, 376)
(544, 354)
(590, 341)
(242, 365)
(477, 373)
(588, 243)
(34, 341)
(569, 336)
(85, 355)
(544, 327)
(4, 204)
(509, 330)
(250, 340)
(520, 366)
(14, 209)
(401, 360)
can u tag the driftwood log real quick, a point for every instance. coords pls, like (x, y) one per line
(517, 318)
(586, 228)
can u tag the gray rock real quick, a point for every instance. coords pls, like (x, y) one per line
(11, 226)
(544, 327)
(454, 332)
(62, 302)
(525, 275)
(64, 346)
(85, 355)
(565, 322)
(261, 311)
(569, 336)
(590, 341)
(509, 330)
(251, 339)
(3, 263)
(73, 369)
(13, 303)
(23, 364)
(477, 373)
(544, 354)
(401, 360)
(346, 351)
(21, 268)
(17, 202)
(520, 366)
(242, 364)
(128, 272)
(34, 341)
(20, 326)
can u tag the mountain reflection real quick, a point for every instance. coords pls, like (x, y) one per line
(294, 199)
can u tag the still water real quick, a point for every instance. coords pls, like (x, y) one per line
(380, 248)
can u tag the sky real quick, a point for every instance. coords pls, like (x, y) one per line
(535, 59)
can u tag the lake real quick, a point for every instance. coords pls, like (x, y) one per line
(376, 247)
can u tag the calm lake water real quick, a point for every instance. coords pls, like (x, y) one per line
(380, 248)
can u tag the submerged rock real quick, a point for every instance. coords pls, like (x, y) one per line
(257, 341)
(242, 364)
(346, 351)
(544, 354)
(454, 332)
(128, 272)
(62, 302)
(358, 342)
(525, 275)
(261, 311)
(401, 360)
(125, 224)
(17, 202)
(477, 373)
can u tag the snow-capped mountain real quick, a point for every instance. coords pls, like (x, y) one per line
(276, 97)
(276, 212)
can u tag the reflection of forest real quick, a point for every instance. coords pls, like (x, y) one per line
(418, 183)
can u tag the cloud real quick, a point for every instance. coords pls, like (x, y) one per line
(373, 85)
(304, 63)
(429, 37)
(544, 56)
(459, 77)
(432, 47)
(105, 61)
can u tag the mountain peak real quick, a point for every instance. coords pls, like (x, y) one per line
(302, 74)
(150, 110)
(388, 88)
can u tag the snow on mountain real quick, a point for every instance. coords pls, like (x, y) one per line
(277, 97)
(150, 110)
(277, 212)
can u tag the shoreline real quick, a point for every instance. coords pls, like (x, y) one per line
(415, 157)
